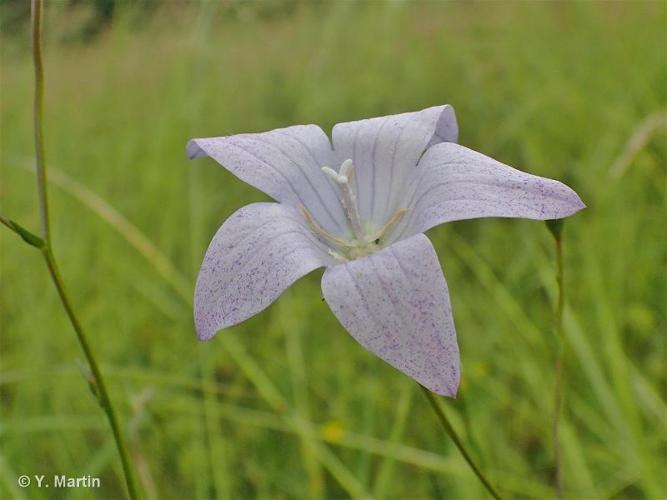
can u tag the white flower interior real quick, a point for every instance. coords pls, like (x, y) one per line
(364, 237)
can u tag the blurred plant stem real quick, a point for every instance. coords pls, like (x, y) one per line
(447, 426)
(44, 245)
(556, 229)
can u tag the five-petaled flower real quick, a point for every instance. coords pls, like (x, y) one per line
(360, 208)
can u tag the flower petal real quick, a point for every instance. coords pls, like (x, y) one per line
(386, 150)
(285, 164)
(395, 303)
(257, 253)
(453, 182)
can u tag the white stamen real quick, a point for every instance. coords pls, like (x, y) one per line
(332, 174)
(347, 169)
(349, 200)
(336, 255)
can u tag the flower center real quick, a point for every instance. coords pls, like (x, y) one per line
(364, 238)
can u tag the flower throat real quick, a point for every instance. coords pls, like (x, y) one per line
(362, 241)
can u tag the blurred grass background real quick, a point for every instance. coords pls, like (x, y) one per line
(287, 405)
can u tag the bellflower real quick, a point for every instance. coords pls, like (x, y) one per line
(359, 206)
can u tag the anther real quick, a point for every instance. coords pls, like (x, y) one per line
(391, 223)
(322, 233)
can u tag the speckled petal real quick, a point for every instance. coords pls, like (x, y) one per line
(385, 152)
(257, 253)
(285, 164)
(453, 182)
(395, 303)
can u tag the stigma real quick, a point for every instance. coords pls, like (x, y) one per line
(363, 239)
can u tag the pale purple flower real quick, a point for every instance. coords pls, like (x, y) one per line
(360, 209)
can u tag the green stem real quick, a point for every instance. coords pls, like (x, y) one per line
(37, 119)
(558, 385)
(46, 249)
(447, 426)
(98, 382)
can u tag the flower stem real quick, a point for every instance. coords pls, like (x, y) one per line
(37, 119)
(556, 228)
(447, 426)
(97, 383)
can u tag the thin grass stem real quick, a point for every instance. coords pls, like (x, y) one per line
(97, 383)
(447, 426)
(556, 229)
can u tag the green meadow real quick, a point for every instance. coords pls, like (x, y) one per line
(287, 405)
